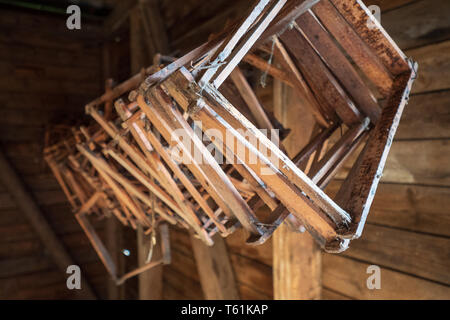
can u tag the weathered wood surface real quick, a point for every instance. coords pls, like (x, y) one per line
(415, 162)
(434, 67)
(30, 209)
(418, 201)
(296, 257)
(388, 4)
(410, 207)
(214, 267)
(422, 255)
(349, 277)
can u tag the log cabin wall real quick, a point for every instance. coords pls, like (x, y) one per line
(47, 75)
(407, 234)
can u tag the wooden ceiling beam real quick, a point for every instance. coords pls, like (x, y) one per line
(26, 203)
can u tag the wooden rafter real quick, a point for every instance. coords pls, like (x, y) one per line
(25, 202)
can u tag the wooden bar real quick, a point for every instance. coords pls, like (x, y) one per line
(339, 65)
(358, 190)
(356, 48)
(358, 15)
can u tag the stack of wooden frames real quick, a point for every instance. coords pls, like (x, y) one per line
(187, 142)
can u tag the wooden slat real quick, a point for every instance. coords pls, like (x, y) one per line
(264, 66)
(241, 83)
(359, 188)
(357, 14)
(248, 34)
(29, 207)
(324, 85)
(184, 93)
(174, 120)
(303, 90)
(296, 257)
(340, 65)
(361, 54)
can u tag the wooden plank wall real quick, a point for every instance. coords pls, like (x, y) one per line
(47, 73)
(407, 234)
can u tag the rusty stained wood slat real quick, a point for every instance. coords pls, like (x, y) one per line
(358, 15)
(355, 47)
(286, 192)
(219, 185)
(359, 188)
(324, 85)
